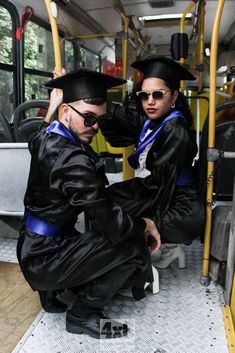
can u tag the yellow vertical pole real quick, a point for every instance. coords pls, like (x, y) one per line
(200, 48)
(128, 172)
(232, 302)
(188, 8)
(211, 140)
(52, 13)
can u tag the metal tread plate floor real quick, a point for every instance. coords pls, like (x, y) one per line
(183, 317)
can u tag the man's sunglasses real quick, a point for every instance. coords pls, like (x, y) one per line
(156, 95)
(89, 118)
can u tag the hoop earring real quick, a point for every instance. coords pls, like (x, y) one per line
(173, 105)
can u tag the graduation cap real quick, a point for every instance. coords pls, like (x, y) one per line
(163, 68)
(84, 84)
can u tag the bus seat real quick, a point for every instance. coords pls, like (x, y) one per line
(224, 168)
(6, 134)
(27, 129)
(224, 173)
(24, 128)
(14, 164)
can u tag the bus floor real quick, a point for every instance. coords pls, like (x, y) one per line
(184, 317)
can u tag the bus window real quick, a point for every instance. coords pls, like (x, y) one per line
(68, 55)
(38, 60)
(6, 63)
(89, 60)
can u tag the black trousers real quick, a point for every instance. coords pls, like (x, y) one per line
(87, 260)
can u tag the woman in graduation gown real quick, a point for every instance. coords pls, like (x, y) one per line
(160, 125)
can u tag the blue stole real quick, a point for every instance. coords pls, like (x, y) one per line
(45, 228)
(58, 128)
(144, 142)
(39, 225)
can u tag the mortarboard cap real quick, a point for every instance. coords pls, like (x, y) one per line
(84, 84)
(163, 68)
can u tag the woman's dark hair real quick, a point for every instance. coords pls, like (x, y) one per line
(182, 105)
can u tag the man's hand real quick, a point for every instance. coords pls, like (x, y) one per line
(152, 235)
(56, 98)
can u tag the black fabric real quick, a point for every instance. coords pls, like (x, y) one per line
(163, 68)
(157, 196)
(84, 84)
(65, 179)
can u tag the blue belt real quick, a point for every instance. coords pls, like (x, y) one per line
(186, 177)
(44, 228)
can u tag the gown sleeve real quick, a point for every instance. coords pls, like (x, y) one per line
(121, 126)
(174, 146)
(76, 177)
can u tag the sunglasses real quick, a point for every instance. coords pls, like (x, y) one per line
(156, 95)
(89, 118)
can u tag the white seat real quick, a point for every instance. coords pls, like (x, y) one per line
(14, 167)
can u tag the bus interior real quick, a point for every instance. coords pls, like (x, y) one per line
(188, 308)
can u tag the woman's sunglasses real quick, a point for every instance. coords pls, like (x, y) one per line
(89, 118)
(156, 95)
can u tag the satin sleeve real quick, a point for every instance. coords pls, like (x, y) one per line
(76, 177)
(175, 146)
(121, 126)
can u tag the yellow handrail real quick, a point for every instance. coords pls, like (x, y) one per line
(128, 172)
(55, 35)
(200, 42)
(211, 137)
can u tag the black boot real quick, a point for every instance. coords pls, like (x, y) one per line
(86, 314)
(95, 324)
(50, 303)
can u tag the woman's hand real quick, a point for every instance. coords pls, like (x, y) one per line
(152, 235)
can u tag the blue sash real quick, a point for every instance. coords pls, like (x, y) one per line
(58, 128)
(186, 177)
(45, 228)
(133, 159)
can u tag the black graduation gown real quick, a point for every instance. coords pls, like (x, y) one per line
(65, 179)
(177, 210)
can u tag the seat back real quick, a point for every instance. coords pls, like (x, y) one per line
(14, 166)
(24, 128)
(224, 168)
(27, 129)
(224, 172)
(6, 134)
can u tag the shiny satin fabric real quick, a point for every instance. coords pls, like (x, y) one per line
(177, 210)
(65, 179)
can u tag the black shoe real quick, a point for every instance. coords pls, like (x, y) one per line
(50, 303)
(91, 325)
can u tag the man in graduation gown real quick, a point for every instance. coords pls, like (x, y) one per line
(66, 178)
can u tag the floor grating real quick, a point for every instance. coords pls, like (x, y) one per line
(183, 317)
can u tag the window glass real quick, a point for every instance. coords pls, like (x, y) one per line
(6, 91)
(68, 55)
(38, 48)
(89, 60)
(6, 37)
(33, 87)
